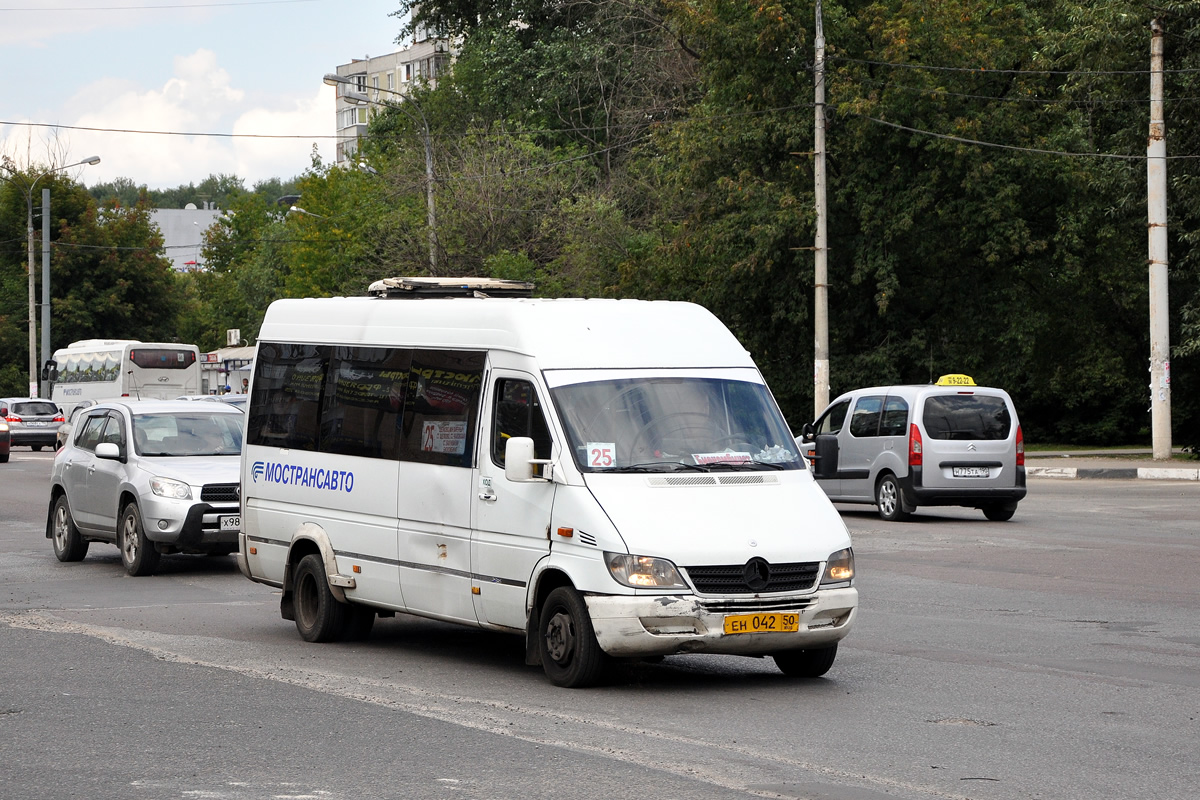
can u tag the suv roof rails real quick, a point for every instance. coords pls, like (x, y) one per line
(449, 287)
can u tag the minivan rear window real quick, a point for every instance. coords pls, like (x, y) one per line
(967, 416)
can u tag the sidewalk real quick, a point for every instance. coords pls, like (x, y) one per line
(1110, 465)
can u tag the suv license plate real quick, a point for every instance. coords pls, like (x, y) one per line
(971, 472)
(231, 522)
(762, 623)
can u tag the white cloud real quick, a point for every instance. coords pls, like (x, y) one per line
(198, 97)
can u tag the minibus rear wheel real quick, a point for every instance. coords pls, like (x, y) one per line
(806, 663)
(319, 616)
(571, 656)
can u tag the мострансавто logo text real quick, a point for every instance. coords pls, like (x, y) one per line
(335, 480)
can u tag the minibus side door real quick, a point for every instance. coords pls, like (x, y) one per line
(511, 519)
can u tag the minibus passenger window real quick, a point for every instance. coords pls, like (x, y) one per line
(286, 401)
(363, 401)
(441, 407)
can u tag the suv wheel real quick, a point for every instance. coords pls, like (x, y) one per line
(68, 544)
(137, 552)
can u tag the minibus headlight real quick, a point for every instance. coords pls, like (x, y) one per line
(643, 572)
(165, 487)
(839, 568)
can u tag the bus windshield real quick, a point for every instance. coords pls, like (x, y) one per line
(671, 424)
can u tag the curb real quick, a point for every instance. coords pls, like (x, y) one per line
(1115, 473)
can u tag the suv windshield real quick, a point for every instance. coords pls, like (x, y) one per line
(651, 424)
(191, 434)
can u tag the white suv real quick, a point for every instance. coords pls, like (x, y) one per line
(899, 447)
(150, 476)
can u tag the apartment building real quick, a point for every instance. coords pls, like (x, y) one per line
(382, 79)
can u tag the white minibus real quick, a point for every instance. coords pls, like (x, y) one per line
(108, 369)
(607, 478)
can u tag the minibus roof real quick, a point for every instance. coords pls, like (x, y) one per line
(559, 333)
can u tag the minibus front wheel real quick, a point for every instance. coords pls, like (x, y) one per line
(571, 656)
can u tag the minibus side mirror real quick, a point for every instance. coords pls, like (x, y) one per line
(825, 456)
(519, 462)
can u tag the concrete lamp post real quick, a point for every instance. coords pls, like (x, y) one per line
(358, 98)
(28, 192)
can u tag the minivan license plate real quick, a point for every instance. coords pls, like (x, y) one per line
(971, 472)
(762, 623)
(231, 523)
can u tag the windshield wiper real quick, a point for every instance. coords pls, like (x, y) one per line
(742, 466)
(655, 466)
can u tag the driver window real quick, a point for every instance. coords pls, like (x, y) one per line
(833, 419)
(113, 433)
(90, 432)
(518, 412)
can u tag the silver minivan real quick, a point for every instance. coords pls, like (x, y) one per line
(951, 443)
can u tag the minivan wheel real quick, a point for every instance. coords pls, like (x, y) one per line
(319, 615)
(68, 544)
(1000, 512)
(571, 656)
(806, 663)
(887, 497)
(137, 552)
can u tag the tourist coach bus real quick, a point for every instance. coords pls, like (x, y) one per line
(104, 369)
(607, 478)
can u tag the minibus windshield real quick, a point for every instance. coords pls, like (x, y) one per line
(670, 424)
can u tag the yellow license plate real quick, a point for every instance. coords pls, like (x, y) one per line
(762, 623)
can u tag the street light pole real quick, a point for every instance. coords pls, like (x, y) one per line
(28, 192)
(357, 98)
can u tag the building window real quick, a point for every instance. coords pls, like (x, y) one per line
(407, 72)
(360, 83)
(391, 80)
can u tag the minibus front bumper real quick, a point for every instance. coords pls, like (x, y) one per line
(659, 625)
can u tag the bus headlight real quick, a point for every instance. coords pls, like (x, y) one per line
(643, 572)
(165, 487)
(839, 568)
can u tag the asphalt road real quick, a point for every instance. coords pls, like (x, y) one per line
(1053, 656)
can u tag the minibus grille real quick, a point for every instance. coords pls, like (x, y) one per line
(220, 493)
(731, 579)
(756, 606)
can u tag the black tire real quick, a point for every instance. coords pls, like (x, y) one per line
(359, 621)
(37, 448)
(4, 459)
(806, 663)
(68, 544)
(888, 499)
(222, 550)
(137, 552)
(1001, 512)
(571, 656)
(319, 615)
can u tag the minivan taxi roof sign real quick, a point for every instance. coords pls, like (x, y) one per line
(955, 380)
(449, 287)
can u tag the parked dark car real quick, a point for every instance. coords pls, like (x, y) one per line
(5, 438)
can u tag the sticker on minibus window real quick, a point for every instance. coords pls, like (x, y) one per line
(601, 455)
(728, 457)
(450, 438)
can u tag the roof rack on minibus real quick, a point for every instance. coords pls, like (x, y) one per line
(449, 287)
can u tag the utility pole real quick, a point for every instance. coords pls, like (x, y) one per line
(1156, 203)
(45, 285)
(820, 250)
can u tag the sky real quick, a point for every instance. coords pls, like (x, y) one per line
(251, 68)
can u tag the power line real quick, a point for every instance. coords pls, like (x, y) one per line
(1010, 99)
(163, 7)
(981, 143)
(990, 71)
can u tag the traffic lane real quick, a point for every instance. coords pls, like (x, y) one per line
(85, 719)
(1118, 540)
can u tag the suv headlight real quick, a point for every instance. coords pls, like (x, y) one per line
(839, 568)
(165, 487)
(643, 572)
